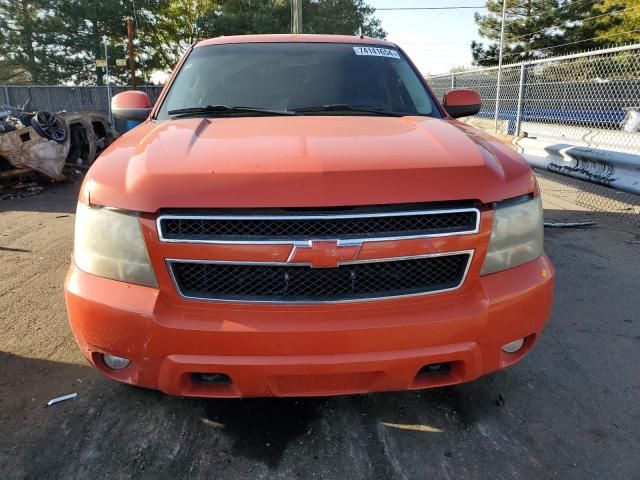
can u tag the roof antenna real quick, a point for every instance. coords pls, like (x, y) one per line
(360, 32)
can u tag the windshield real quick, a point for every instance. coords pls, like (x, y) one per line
(316, 78)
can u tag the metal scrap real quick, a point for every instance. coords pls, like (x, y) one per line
(24, 148)
(35, 140)
(569, 224)
(63, 398)
(47, 142)
(20, 190)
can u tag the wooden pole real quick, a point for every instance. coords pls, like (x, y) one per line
(132, 61)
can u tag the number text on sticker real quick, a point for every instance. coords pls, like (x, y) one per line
(376, 52)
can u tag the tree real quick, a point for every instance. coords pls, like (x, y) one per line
(536, 29)
(344, 17)
(622, 26)
(85, 23)
(27, 40)
(591, 24)
(168, 27)
(58, 41)
(528, 28)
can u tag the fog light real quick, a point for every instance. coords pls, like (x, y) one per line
(115, 363)
(513, 347)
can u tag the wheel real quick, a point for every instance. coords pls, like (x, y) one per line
(50, 126)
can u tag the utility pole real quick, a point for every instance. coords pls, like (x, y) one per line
(132, 59)
(296, 16)
(504, 15)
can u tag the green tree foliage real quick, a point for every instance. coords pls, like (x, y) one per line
(58, 41)
(589, 24)
(28, 47)
(242, 17)
(524, 17)
(542, 28)
(85, 24)
(168, 27)
(344, 17)
(622, 26)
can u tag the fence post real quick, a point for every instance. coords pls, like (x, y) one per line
(523, 71)
(50, 101)
(6, 95)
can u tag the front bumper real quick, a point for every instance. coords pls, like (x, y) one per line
(270, 350)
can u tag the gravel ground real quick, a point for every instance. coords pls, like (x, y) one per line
(571, 409)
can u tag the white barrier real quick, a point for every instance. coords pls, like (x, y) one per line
(598, 138)
(613, 169)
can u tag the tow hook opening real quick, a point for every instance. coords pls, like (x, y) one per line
(435, 369)
(202, 378)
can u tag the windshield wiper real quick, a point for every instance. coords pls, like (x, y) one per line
(343, 107)
(224, 109)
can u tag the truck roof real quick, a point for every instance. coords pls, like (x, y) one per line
(284, 38)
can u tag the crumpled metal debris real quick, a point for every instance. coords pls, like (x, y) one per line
(25, 148)
(20, 190)
(36, 140)
(50, 143)
(9, 124)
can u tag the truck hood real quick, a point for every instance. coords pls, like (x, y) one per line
(303, 161)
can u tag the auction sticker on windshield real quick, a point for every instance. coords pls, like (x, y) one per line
(376, 52)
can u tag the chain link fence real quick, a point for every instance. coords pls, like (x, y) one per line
(588, 99)
(70, 99)
(621, 205)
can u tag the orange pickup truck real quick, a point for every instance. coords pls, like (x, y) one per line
(298, 215)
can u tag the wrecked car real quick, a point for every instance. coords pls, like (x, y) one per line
(298, 215)
(45, 142)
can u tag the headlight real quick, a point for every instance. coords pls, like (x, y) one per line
(517, 235)
(109, 243)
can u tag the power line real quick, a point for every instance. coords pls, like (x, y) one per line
(617, 12)
(560, 9)
(588, 39)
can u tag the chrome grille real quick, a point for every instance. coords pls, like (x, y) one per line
(296, 227)
(291, 283)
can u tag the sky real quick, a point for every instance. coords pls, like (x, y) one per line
(436, 40)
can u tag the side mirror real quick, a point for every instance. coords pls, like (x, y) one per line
(131, 105)
(462, 102)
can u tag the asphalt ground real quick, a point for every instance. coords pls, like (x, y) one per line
(570, 410)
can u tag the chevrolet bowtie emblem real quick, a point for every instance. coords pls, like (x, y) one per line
(324, 254)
